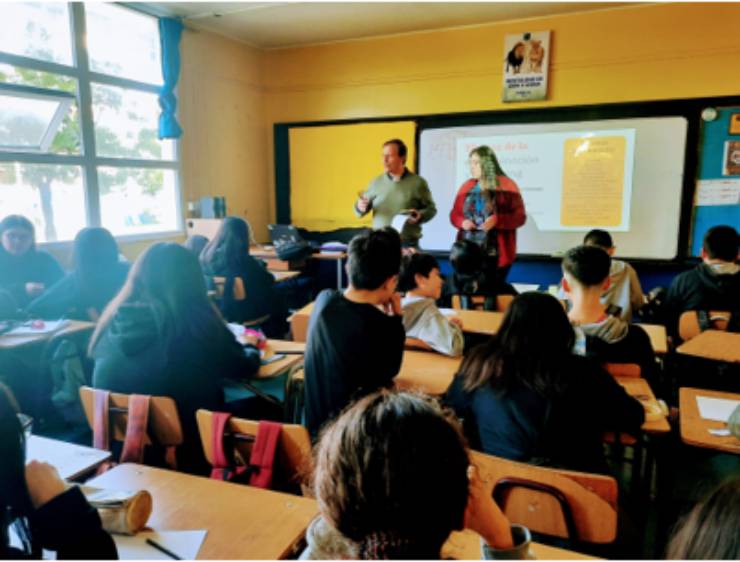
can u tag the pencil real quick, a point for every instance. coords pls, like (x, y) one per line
(162, 549)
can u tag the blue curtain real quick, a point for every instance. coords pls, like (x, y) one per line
(170, 31)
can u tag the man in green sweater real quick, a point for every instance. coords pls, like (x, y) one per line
(398, 191)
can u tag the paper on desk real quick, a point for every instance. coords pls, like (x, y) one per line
(185, 544)
(525, 287)
(720, 432)
(272, 358)
(448, 311)
(48, 327)
(716, 409)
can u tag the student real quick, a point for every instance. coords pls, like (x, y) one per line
(356, 338)
(711, 530)
(393, 480)
(162, 336)
(471, 278)
(600, 334)
(624, 292)
(195, 244)
(227, 255)
(48, 514)
(25, 272)
(421, 282)
(712, 285)
(96, 277)
(524, 396)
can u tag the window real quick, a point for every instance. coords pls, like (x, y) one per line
(79, 113)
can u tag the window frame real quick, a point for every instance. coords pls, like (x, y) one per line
(88, 158)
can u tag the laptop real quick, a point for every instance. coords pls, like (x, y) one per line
(281, 234)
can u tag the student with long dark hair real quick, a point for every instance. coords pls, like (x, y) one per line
(711, 530)
(227, 255)
(37, 503)
(97, 275)
(393, 480)
(524, 396)
(162, 336)
(25, 272)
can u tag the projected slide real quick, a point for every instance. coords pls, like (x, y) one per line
(570, 180)
(621, 175)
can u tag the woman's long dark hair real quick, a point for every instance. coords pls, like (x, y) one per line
(228, 249)
(168, 278)
(15, 501)
(532, 348)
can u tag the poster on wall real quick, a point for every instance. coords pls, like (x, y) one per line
(526, 62)
(732, 159)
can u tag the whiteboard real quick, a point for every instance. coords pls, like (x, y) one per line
(653, 183)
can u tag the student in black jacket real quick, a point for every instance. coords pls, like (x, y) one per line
(712, 285)
(227, 255)
(45, 514)
(356, 338)
(162, 336)
(25, 272)
(599, 333)
(96, 277)
(524, 396)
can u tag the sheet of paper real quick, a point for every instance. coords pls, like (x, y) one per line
(272, 358)
(525, 287)
(184, 544)
(46, 327)
(716, 409)
(448, 311)
(720, 432)
(718, 192)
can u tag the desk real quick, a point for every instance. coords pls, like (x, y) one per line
(427, 371)
(281, 366)
(9, 341)
(695, 429)
(71, 460)
(658, 337)
(465, 545)
(281, 276)
(243, 523)
(714, 344)
(640, 389)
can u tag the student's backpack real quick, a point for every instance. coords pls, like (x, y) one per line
(258, 472)
(67, 376)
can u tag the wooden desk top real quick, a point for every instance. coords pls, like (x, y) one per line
(243, 523)
(427, 371)
(465, 545)
(284, 275)
(695, 429)
(277, 368)
(8, 341)
(640, 389)
(71, 460)
(658, 337)
(478, 321)
(714, 344)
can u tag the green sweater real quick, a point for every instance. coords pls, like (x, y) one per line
(388, 198)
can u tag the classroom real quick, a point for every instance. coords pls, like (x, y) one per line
(367, 280)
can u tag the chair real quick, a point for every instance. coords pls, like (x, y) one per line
(578, 506)
(478, 302)
(293, 451)
(164, 428)
(690, 323)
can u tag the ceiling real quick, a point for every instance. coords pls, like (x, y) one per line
(272, 25)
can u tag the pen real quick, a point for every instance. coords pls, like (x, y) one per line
(162, 549)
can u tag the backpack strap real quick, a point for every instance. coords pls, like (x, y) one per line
(101, 419)
(262, 459)
(138, 420)
(223, 468)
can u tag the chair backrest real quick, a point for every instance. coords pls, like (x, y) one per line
(478, 302)
(293, 453)
(164, 422)
(623, 369)
(689, 325)
(555, 502)
(416, 343)
(503, 302)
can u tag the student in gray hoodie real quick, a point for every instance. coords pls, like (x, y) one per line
(420, 280)
(599, 334)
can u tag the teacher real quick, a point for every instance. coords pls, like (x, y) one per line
(398, 191)
(488, 209)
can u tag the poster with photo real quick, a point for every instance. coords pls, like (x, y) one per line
(526, 62)
(732, 159)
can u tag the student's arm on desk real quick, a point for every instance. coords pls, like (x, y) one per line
(236, 361)
(394, 340)
(617, 410)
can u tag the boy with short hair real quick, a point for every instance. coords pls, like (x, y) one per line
(422, 283)
(356, 338)
(714, 284)
(604, 336)
(624, 292)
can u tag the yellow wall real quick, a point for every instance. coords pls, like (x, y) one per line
(231, 95)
